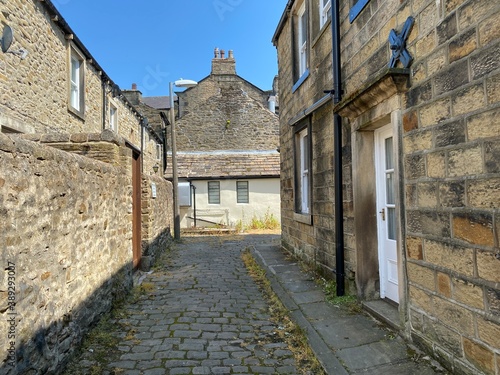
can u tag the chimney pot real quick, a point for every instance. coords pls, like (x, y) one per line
(216, 53)
(134, 86)
(230, 56)
(222, 54)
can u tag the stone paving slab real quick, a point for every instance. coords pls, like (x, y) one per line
(344, 342)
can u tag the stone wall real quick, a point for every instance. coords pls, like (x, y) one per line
(451, 152)
(66, 229)
(157, 217)
(229, 120)
(445, 122)
(225, 112)
(313, 241)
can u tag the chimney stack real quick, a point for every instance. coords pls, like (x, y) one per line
(134, 96)
(221, 64)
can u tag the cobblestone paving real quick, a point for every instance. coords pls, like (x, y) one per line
(202, 314)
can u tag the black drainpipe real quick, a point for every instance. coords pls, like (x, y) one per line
(103, 104)
(337, 151)
(164, 134)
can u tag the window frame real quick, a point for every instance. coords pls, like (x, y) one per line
(303, 168)
(159, 149)
(113, 117)
(245, 191)
(324, 12)
(76, 105)
(215, 185)
(302, 40)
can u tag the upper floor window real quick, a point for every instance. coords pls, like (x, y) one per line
(324, 11)
(302, 39)
(242, 192)
(76, 82)
(113, 118)
(214, 192)
(158, 151)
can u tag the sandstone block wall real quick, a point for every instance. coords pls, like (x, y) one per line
(450, 176)
(451, 137)
(66, 250)
(314, 242)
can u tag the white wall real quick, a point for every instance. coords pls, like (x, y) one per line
(264, 197)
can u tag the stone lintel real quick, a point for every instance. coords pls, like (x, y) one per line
(381, 87)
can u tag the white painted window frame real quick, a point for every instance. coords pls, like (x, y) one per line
(302, 39)
(304, 176)
(76, 79)
(324, 12)
(113, 117)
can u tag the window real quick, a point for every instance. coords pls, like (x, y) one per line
(302, 47)
(242, 192)
(213, 192)
(158, 152)
(113, 118)
(302, 175)
(324, 11)
(76, 79)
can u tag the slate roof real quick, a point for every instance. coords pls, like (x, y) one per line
(157, 102)
(226, 164)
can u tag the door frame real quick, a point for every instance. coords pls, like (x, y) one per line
(365, 205)
(380, 135)
(136, 208)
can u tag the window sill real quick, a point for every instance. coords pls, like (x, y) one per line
(303, 218)
(80, 114)
(300, 81)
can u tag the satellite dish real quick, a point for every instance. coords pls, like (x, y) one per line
(7, 38)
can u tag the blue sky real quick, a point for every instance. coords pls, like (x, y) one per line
(153, 42)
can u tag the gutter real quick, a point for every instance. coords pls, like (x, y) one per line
(282, 22)
(306, 112)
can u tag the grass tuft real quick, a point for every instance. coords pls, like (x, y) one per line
(288, 331)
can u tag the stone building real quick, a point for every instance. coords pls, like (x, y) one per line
(389, 151)
(81, 206)
(227, 140)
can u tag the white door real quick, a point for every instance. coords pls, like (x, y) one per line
(386, 207)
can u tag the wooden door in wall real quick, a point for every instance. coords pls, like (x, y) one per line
(386, 207)
(136, 208)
